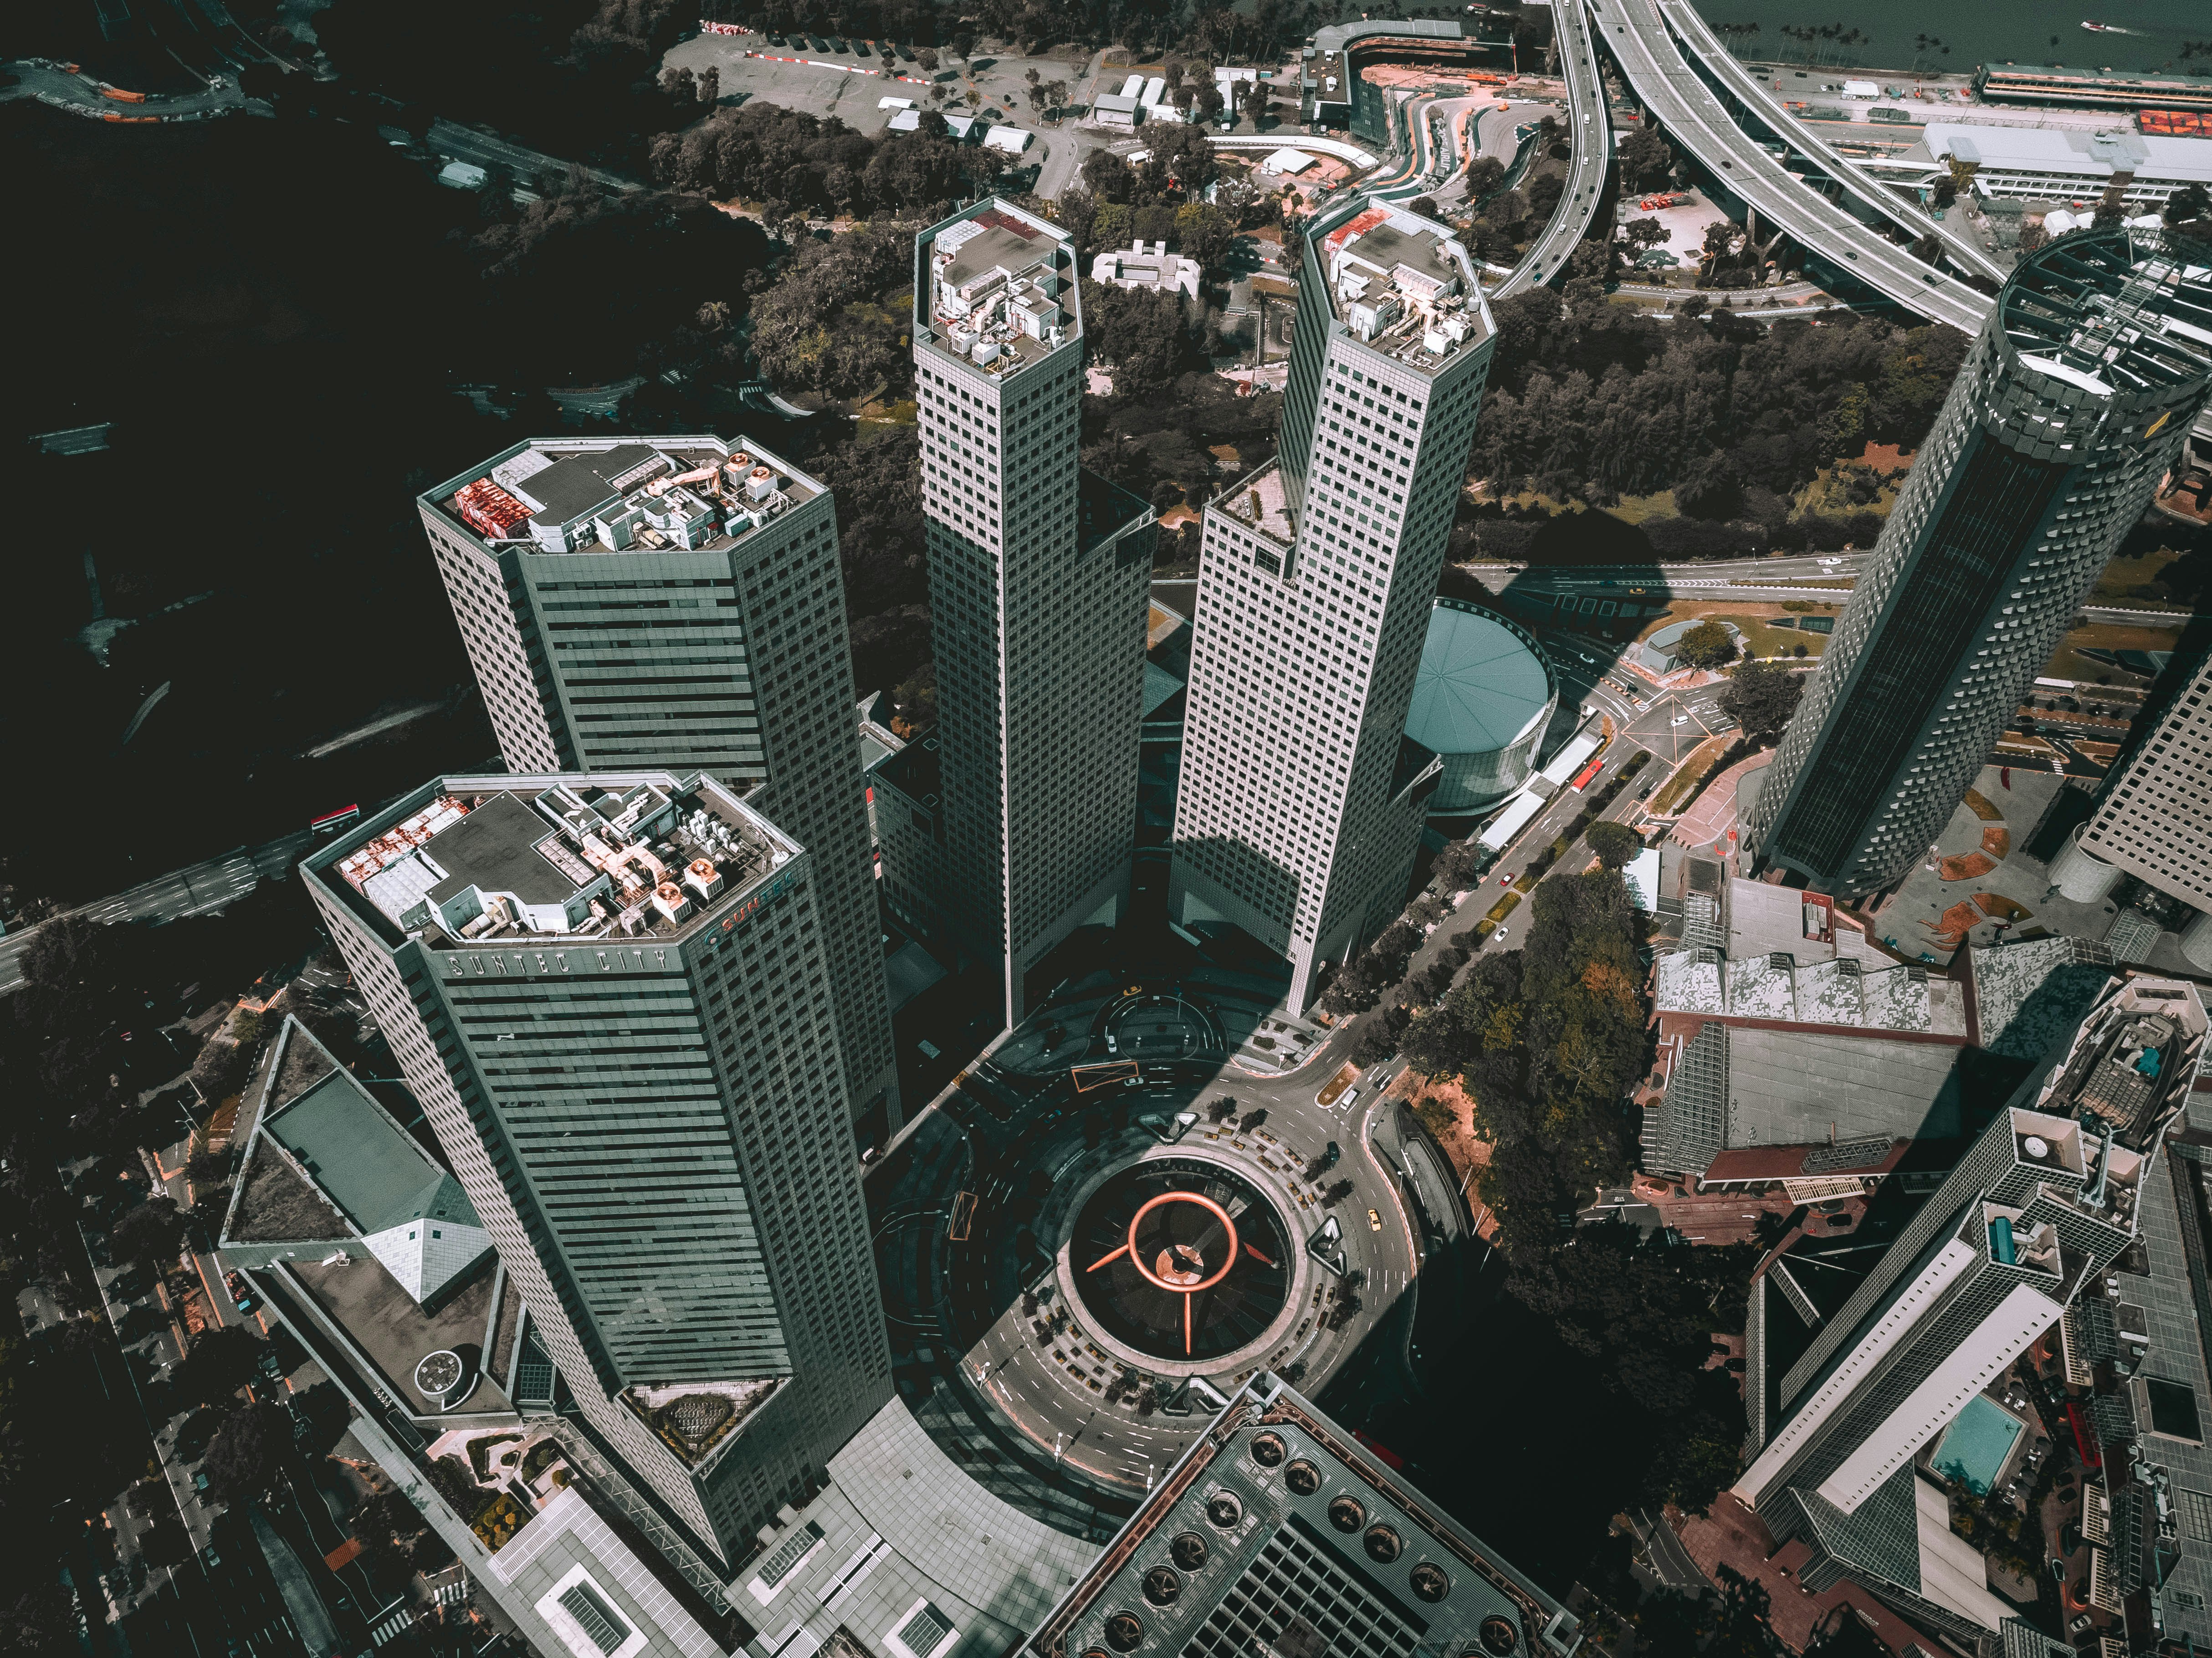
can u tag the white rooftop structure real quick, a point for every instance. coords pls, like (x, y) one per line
(1140, 266)
(586, 1594)
(2065, 164)
(1287, 161)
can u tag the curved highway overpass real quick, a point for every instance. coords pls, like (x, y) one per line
(1690, 32)
(1637, 34)
(1590, 134)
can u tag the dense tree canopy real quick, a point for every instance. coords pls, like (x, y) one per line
(1588, 399)
(248, 1451)
(1761, 696)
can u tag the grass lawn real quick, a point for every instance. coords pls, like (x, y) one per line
(2068, 663)
(2127, 580)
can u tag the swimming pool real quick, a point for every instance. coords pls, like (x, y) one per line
(1974, 1447)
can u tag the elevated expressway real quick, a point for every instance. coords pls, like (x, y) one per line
(1648, 39)
(1589, 133)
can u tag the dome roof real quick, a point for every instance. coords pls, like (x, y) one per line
(1482, 683)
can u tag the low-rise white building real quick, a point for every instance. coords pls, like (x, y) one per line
(1138, 266)
(2065, 165)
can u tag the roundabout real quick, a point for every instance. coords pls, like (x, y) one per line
(1183, 1265)
(1105, 1229)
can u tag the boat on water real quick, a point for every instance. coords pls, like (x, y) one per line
(2095, 28)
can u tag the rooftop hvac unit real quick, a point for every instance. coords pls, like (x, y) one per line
(761, 484)
(987, 351)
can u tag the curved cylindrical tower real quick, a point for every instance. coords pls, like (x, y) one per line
(2081, 875)
(1482, 699)
(2196, 941)
(2073, 404)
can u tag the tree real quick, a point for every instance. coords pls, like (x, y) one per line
(248, 1451)
(1204, 233)
(1615, 844)
(1708, 645)
(926, 57)
(221, 1362)
(220, 1068)
(1644, 233)
(152, 1234)
(1484, 175)
(1761, 696)
(1645, 158)
(1255, 98)
(1708, 489)
(710, 85)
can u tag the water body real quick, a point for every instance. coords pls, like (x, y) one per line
(2020, 31)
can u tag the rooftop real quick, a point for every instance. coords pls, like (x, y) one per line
(623, 494)
(2069, 149)
(1482, 683)
(326, 1164)
(995, 288)
(2131, 1062)
(2031, 993)
(591, 1594)
(1402, 284)
(2113, 310)
(488, 860)
(903, 1553)
(1277, 1532)
(695, 1419)
(917, 771)
(1258, 503)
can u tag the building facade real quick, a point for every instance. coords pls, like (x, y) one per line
(1299, 806)
(676, 603)
(1278, 1532)
(611, 995)
(2046, 1201)
(2074, 403)
(2156, 822)
(1038, 576)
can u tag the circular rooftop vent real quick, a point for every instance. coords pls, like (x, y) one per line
(2036, 1146)
(1383, 1544)
(442, 1378)
(1224, 1510)
(1162, 1585)
(1429, 1582)
(1188, 1550)
(1268, 1449)
(1125, 1631)
(1498, 1636)
(1302, 1478)
(1346, 1513)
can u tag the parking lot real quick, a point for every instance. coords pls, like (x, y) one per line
(850, 86)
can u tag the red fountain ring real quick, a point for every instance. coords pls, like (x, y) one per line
(1169, 1271)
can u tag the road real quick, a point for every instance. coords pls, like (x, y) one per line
(50, 83)
(1691, 31)
(1637, 34)
(1015, 1117)
(1590, 133)
(171, 897)
(461, 144)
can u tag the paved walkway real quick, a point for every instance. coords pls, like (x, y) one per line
(1710, 825)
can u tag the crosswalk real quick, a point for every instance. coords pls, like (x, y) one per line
(398, 1618)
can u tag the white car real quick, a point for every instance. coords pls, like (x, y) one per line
(1680, 720)
(1830, 563)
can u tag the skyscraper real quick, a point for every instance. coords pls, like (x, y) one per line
(1038, 578)
(676, 603)
(1298, 813)
(610, 993)
(2156, 822)
(2072, 404)
(1843, 1398)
